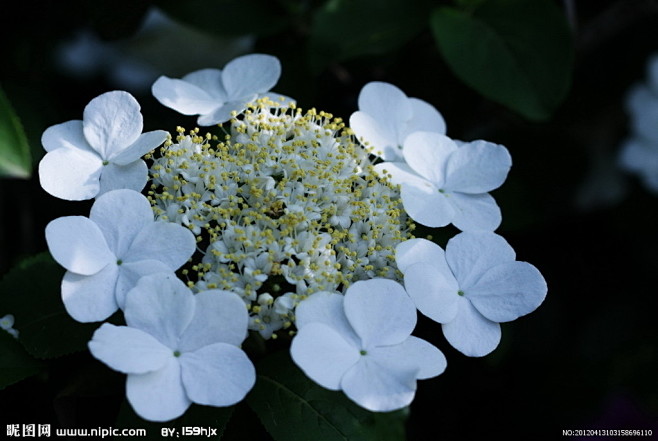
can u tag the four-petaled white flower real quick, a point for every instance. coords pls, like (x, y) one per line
(387, 116)
(471, 287)
(178, 348)
(443, 182)
(107, 253)
(100, 153)
(361, 343)
(216, 94)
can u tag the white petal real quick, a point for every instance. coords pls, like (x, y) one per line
(413, 354)
(225, 112)
(323, 354)
(70, 174)
(508, 291)
(470, 332)
(219, 317)
(388, 106)
(253, 73)
(643, 105)
(77, 244)
(477, 167)
(371, 133)
(425, 205)
(380, 311)
(65, 135)
(158, 395)
(144, 144)
(470, 255)
(167, 242)
(420, 250)
(326, 308)
(116, 177)
(183, 97)
(217, 375)
(399, 173)
(474, 212)
(637, 154)
(378, 389)
(90, 298)
(130, 273)
(210, 81)
(427, 153)
(434, 292)
(160, 305)
(121, 215)
(425, 118)
(128, 350)
(111, 122)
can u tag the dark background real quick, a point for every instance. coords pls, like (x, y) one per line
(587, 358)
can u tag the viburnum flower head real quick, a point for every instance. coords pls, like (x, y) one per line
(285, 206)
(387, 116)
(100, 153)
(361, 343)
(471, 287)
(107, 253)
(178, 348)
(216, 95)
(443, 182)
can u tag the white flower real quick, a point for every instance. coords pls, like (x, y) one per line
(639, 152)
(108, 252)
(387, 116)
(445, 183)
(469, 289)
(178, 348)
(361, 344)
(7, 324)
(100, 153)
(215, 94)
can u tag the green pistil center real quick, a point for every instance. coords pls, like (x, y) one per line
(362, 352)
(106, 162)
(460, 292)
(176, 353)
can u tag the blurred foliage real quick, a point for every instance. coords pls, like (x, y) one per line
(293, 408)
(14, 150)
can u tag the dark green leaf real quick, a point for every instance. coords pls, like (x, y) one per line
(228, 17)
(31, 292)
(15, 363)
(344, 29)
(292, 407)
(515, 52)
(205, 417)
(15, 159)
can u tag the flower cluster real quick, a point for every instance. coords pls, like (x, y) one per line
(639, 152)
(284, 224)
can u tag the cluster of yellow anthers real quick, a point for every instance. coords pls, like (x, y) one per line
(286, 205)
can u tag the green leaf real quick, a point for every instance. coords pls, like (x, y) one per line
(344, 29)
(31, 292)
(228, 17)
(292, 407)
(15, 160)
(15, 363)
(515, 52)
(205, 417)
